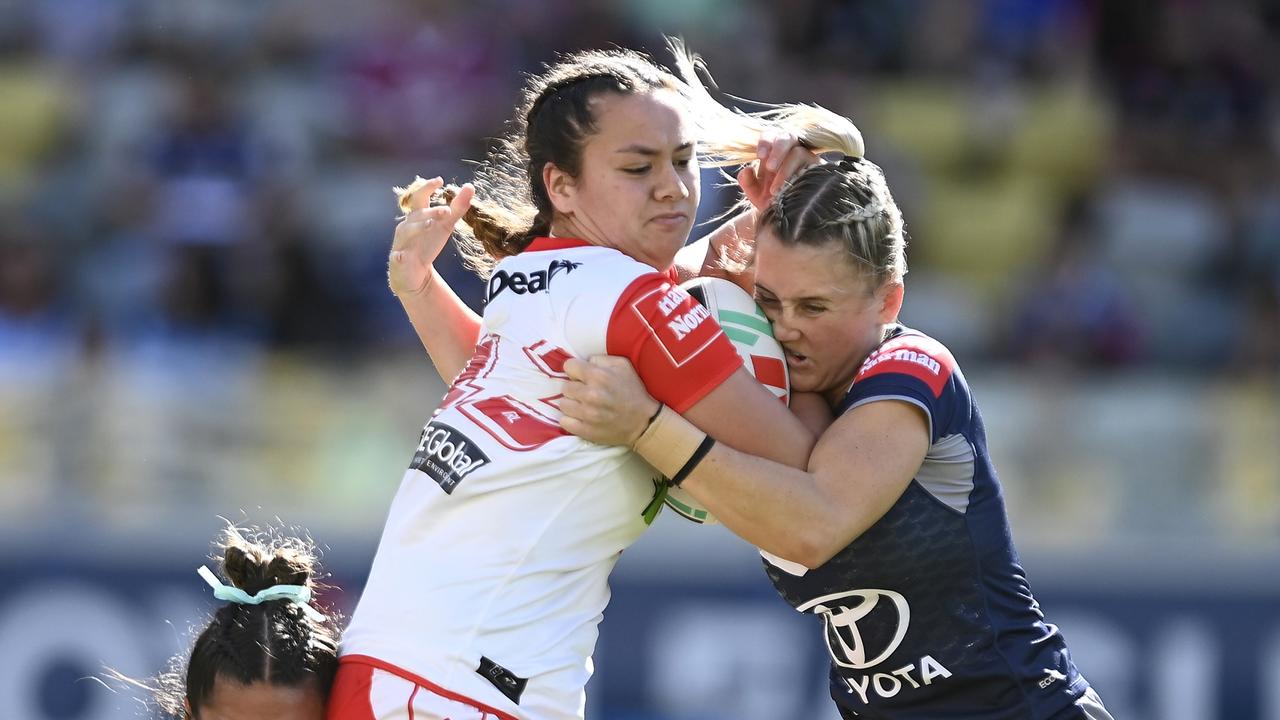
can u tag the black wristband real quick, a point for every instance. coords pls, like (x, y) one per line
(654, 416)
(703, 448)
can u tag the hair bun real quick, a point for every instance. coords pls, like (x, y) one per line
(255, 566)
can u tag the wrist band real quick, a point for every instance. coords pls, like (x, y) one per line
(703, 448)
(654, 416)
(669, 442)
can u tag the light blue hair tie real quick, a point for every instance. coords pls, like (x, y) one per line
(297, 594)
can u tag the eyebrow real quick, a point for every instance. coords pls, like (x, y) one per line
(806, 298)
(644, 150)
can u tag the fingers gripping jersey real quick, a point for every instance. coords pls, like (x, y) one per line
(491, 574)
(928, 613)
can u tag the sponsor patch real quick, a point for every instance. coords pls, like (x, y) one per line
(507, 682)
(522, 283)
(682, 327)
(918, 357)
(446, 456)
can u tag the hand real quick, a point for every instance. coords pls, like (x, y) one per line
(422, 234)
(779, 156)
(604, 401)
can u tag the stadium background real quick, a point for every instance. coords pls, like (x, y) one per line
(194, 218)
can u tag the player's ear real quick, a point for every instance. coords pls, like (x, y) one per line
(890, 301)
(560, 187)
(186, 709)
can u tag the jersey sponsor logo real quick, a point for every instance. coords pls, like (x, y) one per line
(672, 300)
(904, 355)
(863, 629)
(907, 357)
(684, 323)
(522, 283)
(1051, 676)
(841, 613)
(677, 322)
(447, 456)
(507, 682)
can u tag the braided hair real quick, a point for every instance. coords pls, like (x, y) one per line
(847, 202)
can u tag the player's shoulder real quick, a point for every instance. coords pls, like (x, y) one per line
(564, 267)
(913, 354)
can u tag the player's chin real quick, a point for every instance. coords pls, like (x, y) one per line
(671, 228)
(667, 245)
(804, 380)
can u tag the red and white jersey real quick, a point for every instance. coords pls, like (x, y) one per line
(492, 571)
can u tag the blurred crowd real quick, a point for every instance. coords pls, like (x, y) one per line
(1087, 184)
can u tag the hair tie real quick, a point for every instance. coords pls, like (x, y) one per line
(300, 595)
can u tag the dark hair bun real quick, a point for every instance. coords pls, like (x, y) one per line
(254, 566)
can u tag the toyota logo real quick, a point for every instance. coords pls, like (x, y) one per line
(841, 612)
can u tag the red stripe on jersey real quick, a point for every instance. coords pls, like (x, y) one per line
(550, 243)
(418, 680)
(769, 371)
(478, 367)
(677, 348)
(349, 696)
(514, 424)
(548, 358)
(920, 357)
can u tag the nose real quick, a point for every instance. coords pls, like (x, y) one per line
(671, 185)
(784, 327)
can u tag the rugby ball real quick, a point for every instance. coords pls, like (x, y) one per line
(748, 329)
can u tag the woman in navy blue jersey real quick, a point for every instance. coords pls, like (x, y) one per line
(896, 536)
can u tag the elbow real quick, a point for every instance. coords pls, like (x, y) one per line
(814, 548)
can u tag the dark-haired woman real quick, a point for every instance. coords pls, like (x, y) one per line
(491, 574)
(268, 652)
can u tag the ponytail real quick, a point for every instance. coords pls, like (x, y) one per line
(490, 230)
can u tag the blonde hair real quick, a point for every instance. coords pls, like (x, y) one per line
(847, 202)
(727, 136)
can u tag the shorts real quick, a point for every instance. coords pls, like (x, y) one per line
(365, 692)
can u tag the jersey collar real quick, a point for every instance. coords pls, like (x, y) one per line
(554, 243)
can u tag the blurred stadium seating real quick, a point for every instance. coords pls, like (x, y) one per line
(195, 209)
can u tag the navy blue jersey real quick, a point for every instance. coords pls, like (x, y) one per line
(928, 614)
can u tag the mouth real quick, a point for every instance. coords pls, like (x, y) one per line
(670, 220)
(795, 359)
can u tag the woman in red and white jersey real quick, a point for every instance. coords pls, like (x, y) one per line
(491, 575)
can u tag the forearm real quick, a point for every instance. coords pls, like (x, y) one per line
(776, 507)
(447, 328)
(724, 252)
